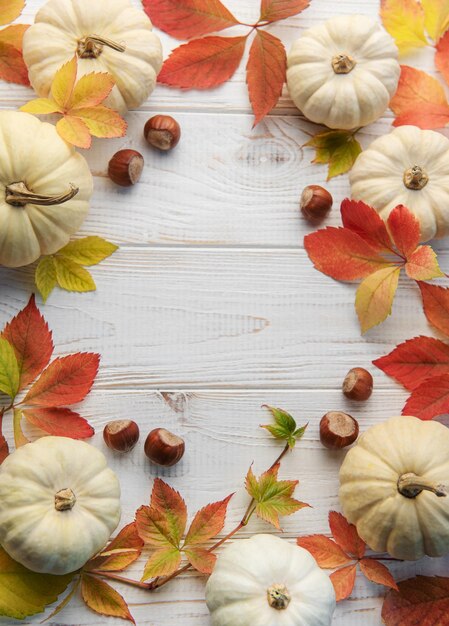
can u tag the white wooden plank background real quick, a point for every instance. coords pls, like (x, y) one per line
(212, 299)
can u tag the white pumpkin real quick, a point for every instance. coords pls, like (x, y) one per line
(394, 487)
(343, 73)
(409, 166)
(106, 35)
(59, 503)
(45, 188)
(266, 581)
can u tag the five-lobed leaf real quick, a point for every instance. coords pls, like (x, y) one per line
(375, 295)
(103, 599)
(9, 369)
(274, 10)
(421, 600)
(326, 552)
(338, 148)
(404, 20)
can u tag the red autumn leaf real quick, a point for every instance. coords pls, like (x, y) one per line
(421, 600)
(420, 100)
(66, 380)
(120, 552)
(12, 65)
(342, 254)
(265, 73)
(208, 522)
(405, 230)
(429, 399)
(274, 10)
(60, 422)
(377, 573)
(416, 360)
(201, 559)
(185, 19)
(343, 580)
(423, 264)
(326, 552)
(442, 56)
(203, 63)
(31, 339)
(4, 448)
(365, 222)
(103, 599)
(436, 305)
(345, 534)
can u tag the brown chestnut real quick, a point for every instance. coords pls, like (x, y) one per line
(358, 384)
(316, 202)
(338, 430)
(121, 435)
(125, 167)
(163, 447)
(162, 132)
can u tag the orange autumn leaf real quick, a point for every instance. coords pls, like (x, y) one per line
(14, 35)
(436, 17)
(346, 535)
(10, 10)
(60, 422)
(442, 56)
(377, 573)
(423, 264)
(207, 523)
(80, 104)
(421, 600)
(119, 553)
(343, 581)
(201, 559)
(404, 20)
(326, 552)
(12, 65)
(436, 306)
(375, 295)
(103, 599)
(273, 10)
(420, 100)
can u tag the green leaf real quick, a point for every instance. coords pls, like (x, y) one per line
(73, 277)
(162, 562)
(338, 148)
(9, 369)
(88, 251)
(103, 599)
(273, 497)
(285, 427)
(24, 593)
(45, 276)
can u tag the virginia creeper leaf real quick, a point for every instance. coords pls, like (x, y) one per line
(120, 552)
(59, 422)
(103, 599)
(88, 250)
(14, 35)
(67, 380)
(31, 339)
(343, 580)
(375, 295)
(285, 426)
(442, 56)
(338, 148)
(429, 399)
(366, 223)
(75, 131)
(404, 20)
(9, 369)
(73, 277)
(207, 523)
(10, 10)
(416, 360)
(19, 437)
(423, 264)
(45, 276)
(274, 10)
(436, 306)
(201, 559)
(12, 65)
(203, 63)
(436, 17)
(420, 600)
(326, 552)
(164, 521)
(162, 562)
(265, 73)
(91, 90)
(346, 535)
(377, 573)
(185, 19)
(405, 230)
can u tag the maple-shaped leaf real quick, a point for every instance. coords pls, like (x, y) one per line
(163, 562)
(436, 306)
(416, 360)
(272, 497)
(119, 553)
(346, 535)
(45, 276)
(265, 73)
(9, 369)
(377, 573)
(343, 581)
(429, 399)
(67, 380)
(285, 426)
(59, 422)
(162, 523)
(419, 100)
(338, 148)
(404, 20)
(366, 223)
(80, 105)
(326, 552)
(436, 17)
(421, 600)
(375, 295)
(31, 339)
(185, 19)
(274, 10)
(103, 599)
(442, 56)
(207, 523)
(10, 10)
(203, 63)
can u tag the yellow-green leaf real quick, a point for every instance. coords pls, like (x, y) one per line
(338, 148)
(64, 83)
(92, 89)
(162, 562)
(73, 277)
(375, 295)
(436, 17)
(88, 251)
(101, 121)
(103, 599)
(404, 20)
(40, 106)
(9, 369)
(45, 276)
(10, 10)
(74, 131)
(24, 593)
(19, 437)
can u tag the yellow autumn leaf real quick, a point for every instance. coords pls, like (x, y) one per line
(40, 106)
(73, 277)
(436, 17)
(74, 131)
(375, 295)
(91, 90)
(14, 35)
(88, 250)
(19, 437)
(101, 121)
(64, 83)
(45, 276)
(404, 20)
(10, 10)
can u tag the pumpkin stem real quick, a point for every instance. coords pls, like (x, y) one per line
(343, 63)
(65, 500)
(415, 178)
(410, 485)
(278, 597)
(92, 46)
(17, 194)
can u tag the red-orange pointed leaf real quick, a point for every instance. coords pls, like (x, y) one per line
(185, 19)
(423, 264)
(377, 573)
(208, 522)
(202, 560)
(274, 10)
(203, 63)
(436, 305)
(162, 523)
(31, 339)
(326, 552)
(66, 380)
(422, 600)
(120, 552)
(365, 222)
(405, 230)
(12, 65)
(265, 73)
(59, 422)
(429, 399)
(345, 534)
(103, 599)
(4, 448)
(442, 56)
(343, 580)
